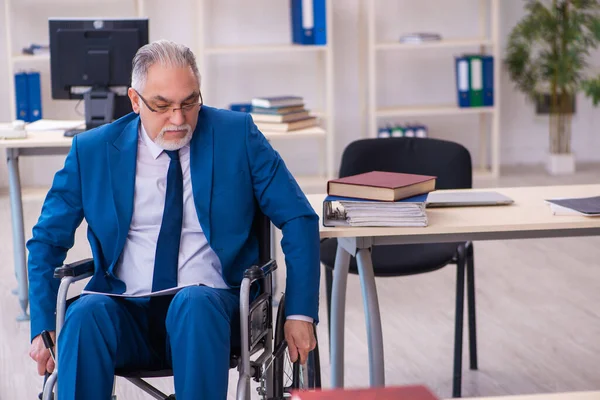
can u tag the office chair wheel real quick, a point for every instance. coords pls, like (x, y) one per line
(288, 376)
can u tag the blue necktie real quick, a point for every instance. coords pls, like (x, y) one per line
(167, 246)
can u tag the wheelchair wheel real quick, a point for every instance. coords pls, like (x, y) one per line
(288, 376)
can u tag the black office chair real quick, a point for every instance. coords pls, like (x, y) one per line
(451, 163)
(264, 338)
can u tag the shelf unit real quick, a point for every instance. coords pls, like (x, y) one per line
(324, 57)
(15, 59)
(374, 47)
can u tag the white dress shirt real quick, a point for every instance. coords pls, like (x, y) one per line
(198, 263)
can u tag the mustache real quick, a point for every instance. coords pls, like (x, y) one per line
(184, 127)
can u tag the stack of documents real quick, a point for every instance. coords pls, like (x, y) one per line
(343, 211)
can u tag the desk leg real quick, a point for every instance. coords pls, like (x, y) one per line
(16, 205)
(338, 310)
(372, 316)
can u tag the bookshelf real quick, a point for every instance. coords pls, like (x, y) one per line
(207, 50)
(15, 10)
(486, 41)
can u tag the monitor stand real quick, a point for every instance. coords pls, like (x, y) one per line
(99, 109)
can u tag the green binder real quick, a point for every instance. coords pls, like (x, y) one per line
(476, 80)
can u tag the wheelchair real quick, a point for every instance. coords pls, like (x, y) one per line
(262, 356)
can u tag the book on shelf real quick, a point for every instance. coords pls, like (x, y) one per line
(277, 101)
(286, 126)
(242, 107)
(347, 211)
(381, 186)
(408, 392)
(277, 110)
(420, 37)
(278, 118)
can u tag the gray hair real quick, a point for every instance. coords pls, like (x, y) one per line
(163, 52)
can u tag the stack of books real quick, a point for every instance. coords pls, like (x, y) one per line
(378, 199)
(281, 114)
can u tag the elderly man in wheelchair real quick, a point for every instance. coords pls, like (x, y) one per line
(178, 198)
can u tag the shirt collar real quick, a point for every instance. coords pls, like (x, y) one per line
(155, 149)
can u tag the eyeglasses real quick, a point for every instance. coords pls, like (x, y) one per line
(164, 109)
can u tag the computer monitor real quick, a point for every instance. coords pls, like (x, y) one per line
(90, 59)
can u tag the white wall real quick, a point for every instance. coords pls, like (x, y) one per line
(422, 77)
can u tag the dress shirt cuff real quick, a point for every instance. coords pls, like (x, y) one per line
(301, 318)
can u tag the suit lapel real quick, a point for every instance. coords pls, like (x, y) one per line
(122, 155)
(201, 170)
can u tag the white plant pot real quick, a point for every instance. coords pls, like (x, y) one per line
(560, 164)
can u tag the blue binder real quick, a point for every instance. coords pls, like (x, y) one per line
(488, 80)
(303, 21)
(320, 20)
(35, 96)
(21, 96)
(462, 65)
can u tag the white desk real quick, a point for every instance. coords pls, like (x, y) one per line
(529, 217)
(36, 144)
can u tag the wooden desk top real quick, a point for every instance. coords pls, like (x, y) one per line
(528, 213)
(547, 396)
(38, 139)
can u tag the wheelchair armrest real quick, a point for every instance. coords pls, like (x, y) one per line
(258, 272)
(75, 269)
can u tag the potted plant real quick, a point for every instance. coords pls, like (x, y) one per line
(546, 57)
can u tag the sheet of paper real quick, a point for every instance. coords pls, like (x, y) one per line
(164, 292)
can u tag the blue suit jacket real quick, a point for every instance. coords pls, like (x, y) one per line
(233, 168)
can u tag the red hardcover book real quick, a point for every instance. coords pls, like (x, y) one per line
(383, 186)
(416, 392)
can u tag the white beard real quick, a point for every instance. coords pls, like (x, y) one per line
(174, 144)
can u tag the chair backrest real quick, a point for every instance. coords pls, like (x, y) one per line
(449, 161)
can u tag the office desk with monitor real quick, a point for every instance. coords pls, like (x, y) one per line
(528, 217)
(41, 143)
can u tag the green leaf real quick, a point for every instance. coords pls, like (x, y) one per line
(591, 88)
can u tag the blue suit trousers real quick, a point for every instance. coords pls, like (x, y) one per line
(191, 332)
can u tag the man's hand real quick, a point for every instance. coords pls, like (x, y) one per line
(300, 338)
(41, 354)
